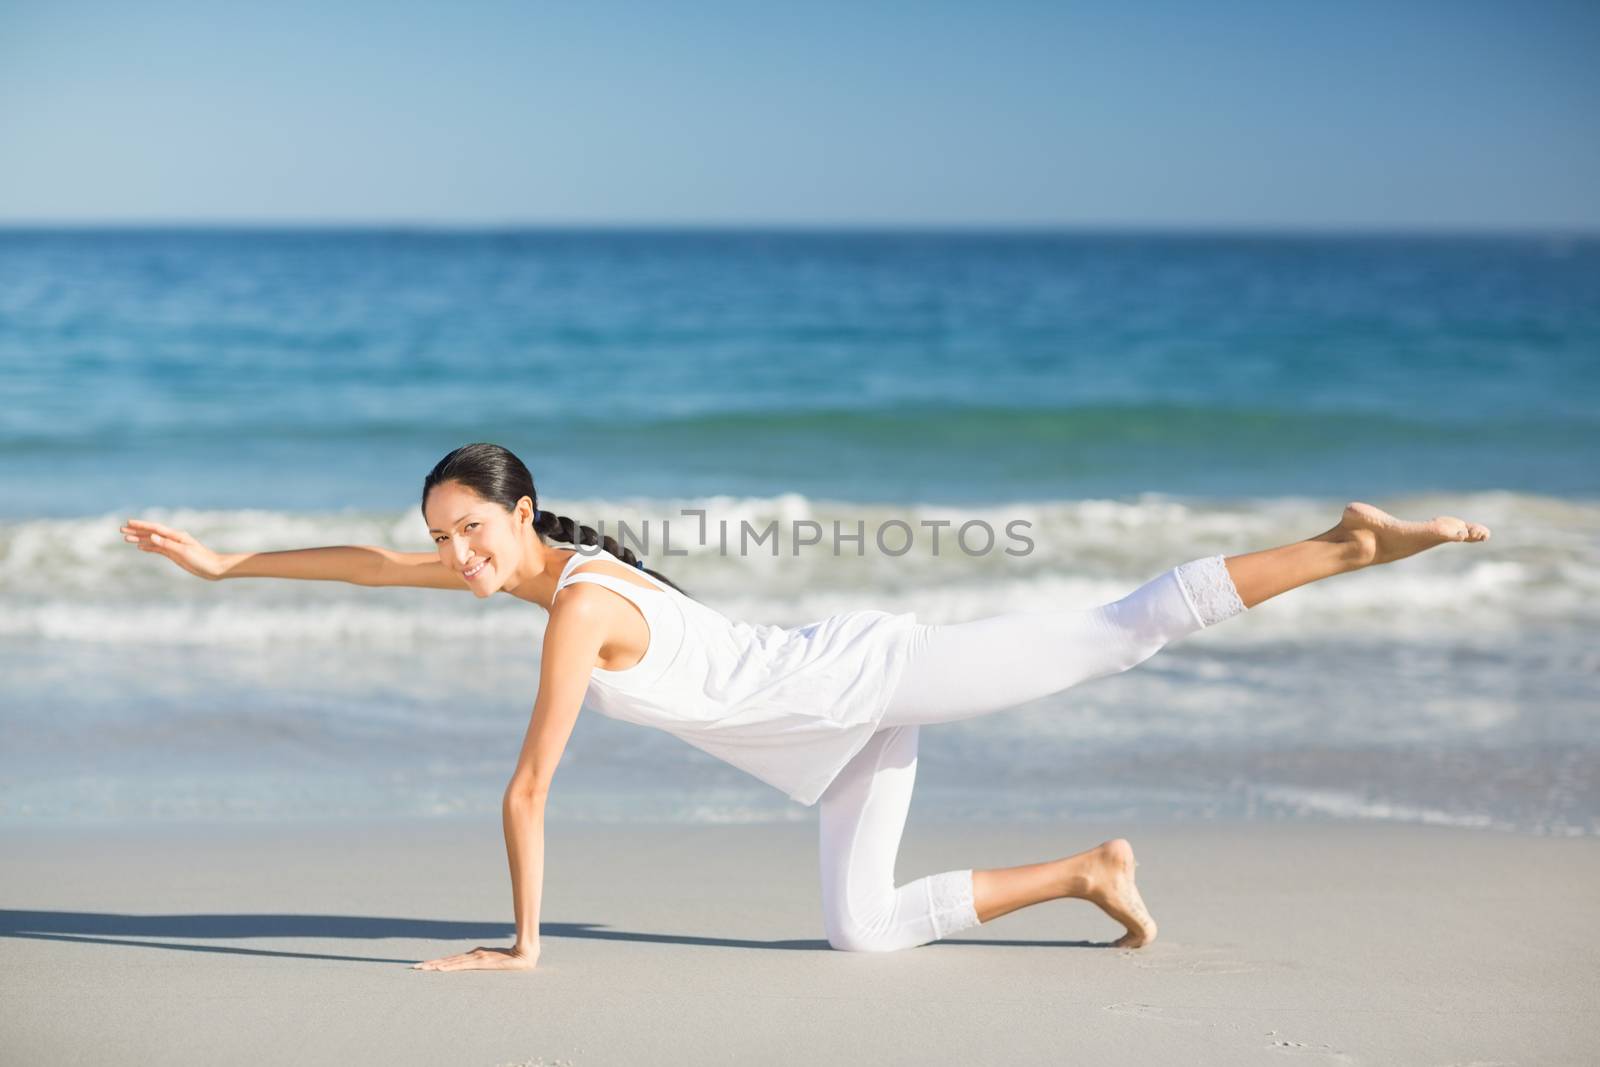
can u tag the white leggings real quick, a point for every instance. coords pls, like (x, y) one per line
(960, 671)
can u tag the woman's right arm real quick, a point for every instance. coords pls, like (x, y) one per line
(572, 642)
(357, 564)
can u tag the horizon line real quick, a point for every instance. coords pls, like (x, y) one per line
(375, 226)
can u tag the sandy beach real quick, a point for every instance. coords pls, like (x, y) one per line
(1280, 943)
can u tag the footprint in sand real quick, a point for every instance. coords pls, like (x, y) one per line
(1198, 1016)
(1170, 958)
(1310, 1048)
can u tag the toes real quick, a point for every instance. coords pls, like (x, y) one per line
(1454, 529)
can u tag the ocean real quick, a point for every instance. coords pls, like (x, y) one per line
(1132, 399)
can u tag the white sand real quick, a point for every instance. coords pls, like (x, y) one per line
(1340, 943)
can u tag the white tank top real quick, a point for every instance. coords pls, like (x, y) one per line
(787, 705)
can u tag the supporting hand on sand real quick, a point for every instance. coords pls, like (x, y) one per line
(484, 959)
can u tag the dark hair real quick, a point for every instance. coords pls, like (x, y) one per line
(497, 475)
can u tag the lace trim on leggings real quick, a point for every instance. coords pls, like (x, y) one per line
(1209, 589)
(951, 903)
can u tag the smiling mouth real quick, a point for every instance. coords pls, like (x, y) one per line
(474, 571)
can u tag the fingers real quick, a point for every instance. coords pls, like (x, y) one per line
(147, 541)
(445, 963)
(450, 964)
(479, 959)
(149, 528)
(154, 536)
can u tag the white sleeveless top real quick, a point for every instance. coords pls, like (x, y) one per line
(790, 706)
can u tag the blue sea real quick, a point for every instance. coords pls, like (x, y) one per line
(1136, 399)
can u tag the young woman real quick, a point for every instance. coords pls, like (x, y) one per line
(827, 712)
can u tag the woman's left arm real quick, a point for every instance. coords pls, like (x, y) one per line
(572, 642)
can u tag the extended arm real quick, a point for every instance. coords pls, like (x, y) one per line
(356, 564)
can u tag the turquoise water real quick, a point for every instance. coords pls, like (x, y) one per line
(287, 370)
(1139, 399)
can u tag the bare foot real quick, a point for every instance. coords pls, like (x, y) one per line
(1385, 538)
(1111, 887)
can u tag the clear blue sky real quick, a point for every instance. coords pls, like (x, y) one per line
(1403, 113)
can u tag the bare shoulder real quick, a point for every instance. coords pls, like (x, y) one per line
(583, 608)
(580, 622)
(580, 600)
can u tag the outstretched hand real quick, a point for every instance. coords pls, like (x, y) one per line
(484, 959)
(176, 545)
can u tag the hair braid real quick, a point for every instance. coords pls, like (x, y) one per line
(561, 529)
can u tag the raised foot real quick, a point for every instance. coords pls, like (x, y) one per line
(1384, 538)
(1111, 887)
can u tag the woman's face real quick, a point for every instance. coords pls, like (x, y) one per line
(476, 538)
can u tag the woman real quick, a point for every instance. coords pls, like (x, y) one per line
(828, 712)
